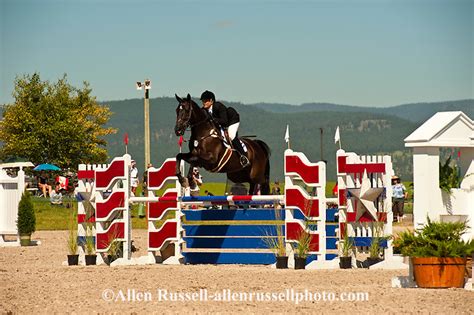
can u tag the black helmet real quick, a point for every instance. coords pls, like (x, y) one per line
(208, 95)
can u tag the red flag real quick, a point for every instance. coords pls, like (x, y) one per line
(125, 138)
(180, 141)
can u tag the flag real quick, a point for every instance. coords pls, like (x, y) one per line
(337, 136)
(180, 141)
(125, 138)
(287, 134)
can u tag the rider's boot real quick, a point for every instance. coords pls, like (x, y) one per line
(244, 161)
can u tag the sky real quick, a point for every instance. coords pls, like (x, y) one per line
(351, 52)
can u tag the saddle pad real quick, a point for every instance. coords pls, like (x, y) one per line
(227, 145)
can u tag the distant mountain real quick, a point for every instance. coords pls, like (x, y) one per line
(415, 112)
(363, 132)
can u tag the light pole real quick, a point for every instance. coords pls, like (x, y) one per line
(140, 86)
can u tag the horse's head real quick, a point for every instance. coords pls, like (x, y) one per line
(184, 112)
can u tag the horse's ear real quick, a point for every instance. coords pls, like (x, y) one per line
(178, 98)
(189, 97)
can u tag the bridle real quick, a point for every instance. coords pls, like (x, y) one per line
(187, 120)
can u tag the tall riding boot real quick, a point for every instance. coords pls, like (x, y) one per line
(244, 161)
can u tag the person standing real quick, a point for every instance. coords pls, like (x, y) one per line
(141, 206)
(145, 179)
(400, 193)
(134, 177)
(276, 188)
(228, 119)
(194, 191)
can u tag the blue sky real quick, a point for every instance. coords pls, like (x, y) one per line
(354, 52)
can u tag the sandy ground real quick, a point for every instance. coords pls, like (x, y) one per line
(33, 280)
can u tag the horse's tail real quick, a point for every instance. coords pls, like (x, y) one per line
(265, 187)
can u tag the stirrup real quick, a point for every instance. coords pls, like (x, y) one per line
(244, 161)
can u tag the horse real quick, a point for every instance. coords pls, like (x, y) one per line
(207, 150)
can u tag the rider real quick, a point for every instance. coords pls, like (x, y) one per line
(228, 119)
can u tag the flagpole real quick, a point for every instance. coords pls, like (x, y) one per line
(287, 135)
(125, 141)
(337, 138)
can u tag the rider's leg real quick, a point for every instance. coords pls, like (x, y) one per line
(232, 130)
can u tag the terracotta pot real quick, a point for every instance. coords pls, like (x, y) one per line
(282, 262)
(300, 262)
(439, 272)
(345, 262)
(469, 264)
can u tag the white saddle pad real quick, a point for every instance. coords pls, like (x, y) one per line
(227, 143)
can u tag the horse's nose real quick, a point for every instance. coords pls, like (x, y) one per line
(178, 131)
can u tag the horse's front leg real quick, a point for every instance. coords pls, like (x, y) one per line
(179, 157)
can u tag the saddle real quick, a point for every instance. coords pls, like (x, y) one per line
(227, 144)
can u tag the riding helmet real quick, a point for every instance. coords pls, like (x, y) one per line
(208, 95)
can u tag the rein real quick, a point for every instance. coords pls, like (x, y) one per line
(214, 130)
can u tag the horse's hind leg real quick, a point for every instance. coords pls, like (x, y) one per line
(252, 189)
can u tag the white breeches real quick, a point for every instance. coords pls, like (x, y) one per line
(232, 130)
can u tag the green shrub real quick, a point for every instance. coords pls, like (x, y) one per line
(26, 222)
(435, 239)
(448, 176)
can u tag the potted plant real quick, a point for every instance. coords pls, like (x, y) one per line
(375, 250)
(438, 253)
(89, 246)
(301, 249)
(448, 176)
(375, 247)
(26, 222)
(277, 245)
(72, 257)
(114, 251)
(347, 245)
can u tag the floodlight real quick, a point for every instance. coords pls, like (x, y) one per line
(139, 86)
(147, 84)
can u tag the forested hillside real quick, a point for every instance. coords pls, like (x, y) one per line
(365, 130)
(362, 132)
(415, 112)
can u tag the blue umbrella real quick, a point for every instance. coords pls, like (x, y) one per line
(46, 167)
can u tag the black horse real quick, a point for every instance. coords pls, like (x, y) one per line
(207, 149)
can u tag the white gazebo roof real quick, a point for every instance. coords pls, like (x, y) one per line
(444, 129)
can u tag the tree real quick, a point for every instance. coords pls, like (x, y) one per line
(54, 123)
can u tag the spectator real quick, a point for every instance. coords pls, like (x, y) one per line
(56, 197)
(43, 185)
(197, 178)
(398, 199)
(276, 188)
(134, 177)
(145, 178)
